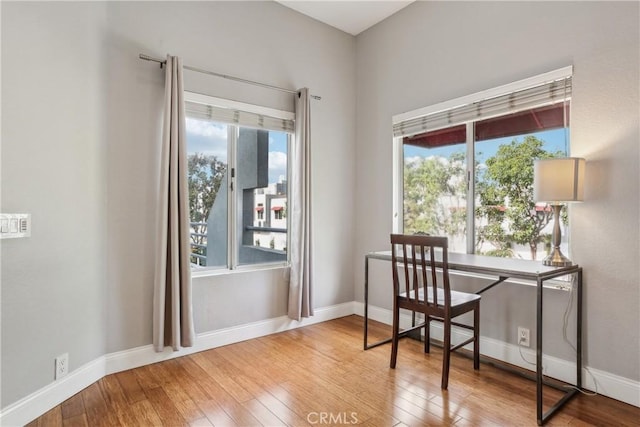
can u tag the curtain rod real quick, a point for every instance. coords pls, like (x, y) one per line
(224, 76)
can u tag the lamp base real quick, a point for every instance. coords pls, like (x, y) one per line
(557, 259)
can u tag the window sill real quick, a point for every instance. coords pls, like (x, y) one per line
(207, 272)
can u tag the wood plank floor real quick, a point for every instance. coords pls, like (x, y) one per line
(319, 375)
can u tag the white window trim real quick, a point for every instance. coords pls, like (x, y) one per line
(232, 261)
(222, 271)
(397, 148)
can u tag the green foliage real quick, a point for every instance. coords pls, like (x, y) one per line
(426, 183)
(435, 198)
(205, 175)
(505, 190)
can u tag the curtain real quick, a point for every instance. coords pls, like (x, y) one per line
(300, 304)
(172, 306)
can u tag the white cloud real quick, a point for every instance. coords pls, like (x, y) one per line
(277, 165)
(277, 159)
(208, 129)
(207, 138)
(413, 160)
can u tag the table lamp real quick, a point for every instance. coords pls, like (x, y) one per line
(557, 181)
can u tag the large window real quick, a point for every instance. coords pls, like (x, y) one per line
(238, 171)
(464, 168)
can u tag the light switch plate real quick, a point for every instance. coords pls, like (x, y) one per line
(13, 226)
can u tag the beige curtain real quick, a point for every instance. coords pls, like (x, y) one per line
(300, 301)
(172, 308)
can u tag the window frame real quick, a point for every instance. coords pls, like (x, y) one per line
(234, 196)
(398, 153)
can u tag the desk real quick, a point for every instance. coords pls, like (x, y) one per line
(503, 269)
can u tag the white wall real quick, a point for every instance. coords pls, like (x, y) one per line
(435, 51)
(54, 143)
(80, 138)
(236, 38)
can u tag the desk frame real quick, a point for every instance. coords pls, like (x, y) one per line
(504, 269)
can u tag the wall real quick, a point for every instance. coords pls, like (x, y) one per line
(434, 51)
(54, 142)
(236, 39)
(80, 142)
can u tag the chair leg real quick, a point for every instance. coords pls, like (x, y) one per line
(476, 337)
(446, 353)
(427, 333)
(394, 337)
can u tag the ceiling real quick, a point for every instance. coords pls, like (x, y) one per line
(352, 17)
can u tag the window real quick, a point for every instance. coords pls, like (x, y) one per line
(278, 213)
(238, 171)
(464, 168)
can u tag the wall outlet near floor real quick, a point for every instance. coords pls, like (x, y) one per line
(62, 366)
(523, 337)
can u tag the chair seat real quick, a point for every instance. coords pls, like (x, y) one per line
(457, 298)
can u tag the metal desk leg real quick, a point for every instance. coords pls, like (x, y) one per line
(579, 332)
(539, 353)
(366, 300)
(543, 417)
(366, 309)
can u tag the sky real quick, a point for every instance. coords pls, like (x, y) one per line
(554, 141)
(211, 139)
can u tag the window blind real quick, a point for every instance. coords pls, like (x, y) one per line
(548, 93)
(236, 116)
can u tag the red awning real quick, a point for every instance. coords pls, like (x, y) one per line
(528, 121)
(260, 208)
(438, 138)
(545, 208)
(277, 208)
(520, 123)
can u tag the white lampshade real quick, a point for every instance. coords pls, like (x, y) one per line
(558, 180)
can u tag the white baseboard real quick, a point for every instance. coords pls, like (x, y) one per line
(36, 404)
(605, 383)
(145, 355)
(39, 402)
(29, 408)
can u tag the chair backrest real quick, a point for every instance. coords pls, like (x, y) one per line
(416, 257)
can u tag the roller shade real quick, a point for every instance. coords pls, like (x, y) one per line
(236, 116)
(553, 92)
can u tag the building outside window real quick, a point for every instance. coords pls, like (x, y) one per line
(469, 174)
(237, 166)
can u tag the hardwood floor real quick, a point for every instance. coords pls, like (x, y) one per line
(319, 375)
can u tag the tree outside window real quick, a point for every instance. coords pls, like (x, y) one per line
(507, 219)
(506, 214)
(205, 175)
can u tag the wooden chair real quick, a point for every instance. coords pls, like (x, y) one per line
(416, 288)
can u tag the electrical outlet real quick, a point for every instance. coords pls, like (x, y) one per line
(523, 337)
(62, 366)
